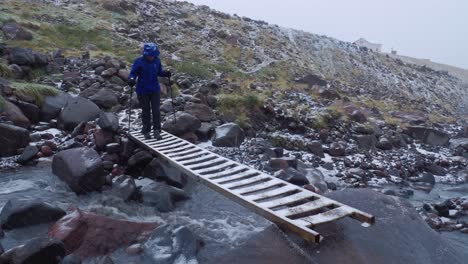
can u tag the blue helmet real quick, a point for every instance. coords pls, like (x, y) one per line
(150, 49)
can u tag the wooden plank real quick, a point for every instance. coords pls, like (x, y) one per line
(226, 172)
(209, 163)
(245, 182)
(193, 156)
(184, 153)
(197, 160)
(288, 199)
(215, 168)
(236, 176)
(304, 208)
(328, 216)
(172, 146)
(259, 187)
(175, 150)
(272, 193)
(248, 188)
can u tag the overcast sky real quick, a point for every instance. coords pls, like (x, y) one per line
(433, 29)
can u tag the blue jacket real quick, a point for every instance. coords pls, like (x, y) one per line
(147, 72)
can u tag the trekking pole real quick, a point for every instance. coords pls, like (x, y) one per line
(172, 98)
(130, 110)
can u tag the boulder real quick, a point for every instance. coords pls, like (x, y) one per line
(77, 110)
(292, 176)
(185, 123)
(28, 154)
(459, 143)
(124, 187)
(428, 135)
(161, 171)
(315, 147)
(228, 135)
(435, 169)
(12, 138)
(283, 163)
(14, 31)
(205, 131)
(316, 178)
(15, 115)
(398, 224)
(109, 121)
(181, 245)
(140, 159)
(109, 72)
(162, 196)
(384, 144)
(365, 142)
(80, 168)
(52, 105)
(337, 149)
(105, 98)
(20, 213)
(201, 111)
(71, 259)
(102, 138)
(35, 251)
(90, 235)
(22, 56)
(31, 111)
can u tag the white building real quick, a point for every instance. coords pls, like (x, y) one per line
(372, 46)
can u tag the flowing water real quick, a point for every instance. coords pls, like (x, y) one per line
(222, 224)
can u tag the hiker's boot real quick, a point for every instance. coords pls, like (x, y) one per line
(147, 136)
(157, 134)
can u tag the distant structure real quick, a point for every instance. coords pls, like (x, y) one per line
(372, 46)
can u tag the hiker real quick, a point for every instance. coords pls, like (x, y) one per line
(144, 74)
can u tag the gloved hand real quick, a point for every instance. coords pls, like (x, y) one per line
(168, 74)
(131, 82)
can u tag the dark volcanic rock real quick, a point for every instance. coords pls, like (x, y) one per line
(228, 135)
(109, 121)
(102, 138)
(201, 111)
(14, 31)
(77, 110)
(14, 114)
(28, 154)
(428, 135)
(35, 251)
(365, 142)
(12, 138)
(80, 168)
(397, 224)
(292, 176)
(21, 213)
(316, 148)
(162, 196)
(161, 171)
(31, 111)
(105, 98)
(52, 106)
(89, 235)
(185, 123)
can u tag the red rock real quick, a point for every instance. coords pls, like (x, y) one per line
(51, 145)
(102, 138)
(117, 171)
(90, 235)
(47, 151)
(47, 136)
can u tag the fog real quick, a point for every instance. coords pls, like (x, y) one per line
(430, 29)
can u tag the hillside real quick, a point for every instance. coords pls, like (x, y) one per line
(206, 43)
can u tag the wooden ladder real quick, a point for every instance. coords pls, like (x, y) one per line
(287, 205)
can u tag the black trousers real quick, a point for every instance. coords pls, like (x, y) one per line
(150, 103)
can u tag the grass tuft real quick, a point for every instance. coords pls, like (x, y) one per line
(2, 103)
(35, 91)
(240, 108)
(5, 72)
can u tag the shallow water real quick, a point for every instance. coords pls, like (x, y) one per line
(222, 224)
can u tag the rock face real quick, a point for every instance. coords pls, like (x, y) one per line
(77, 110)
(13, 31)
(21, 213)
(12, 138)
(109, 121)
(162, 196)
(201, 111)
(35, 251)
(181, 244)
(14, 114)
(80, 168)
(228, 135)
(52, 106)
(185, 123)
(105, 98)
(89, 235)
(398, 224)
(428, 135)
